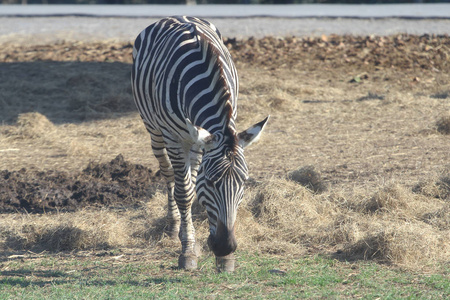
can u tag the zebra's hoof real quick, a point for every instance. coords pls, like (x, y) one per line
(225, 263)
(187, 262)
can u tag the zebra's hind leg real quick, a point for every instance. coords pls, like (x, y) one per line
(165, 166)
(184, 194)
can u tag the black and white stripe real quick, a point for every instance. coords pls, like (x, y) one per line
(185, 86)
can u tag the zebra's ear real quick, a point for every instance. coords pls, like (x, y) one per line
(200, 136)
(252, 135)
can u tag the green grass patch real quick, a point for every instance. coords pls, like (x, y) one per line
(136, 276)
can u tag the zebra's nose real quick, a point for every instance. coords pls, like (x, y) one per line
(223, 242)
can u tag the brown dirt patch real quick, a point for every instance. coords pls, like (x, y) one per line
(400, 51)
(117, 183)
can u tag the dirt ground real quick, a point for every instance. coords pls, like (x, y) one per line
(357, 113)
(359, 109)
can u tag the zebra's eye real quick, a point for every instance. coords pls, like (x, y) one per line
(209, 183)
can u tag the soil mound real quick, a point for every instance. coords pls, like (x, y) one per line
(117, 183)
(403, 51)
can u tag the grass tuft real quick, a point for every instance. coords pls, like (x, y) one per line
(443, 125)
(309, 178)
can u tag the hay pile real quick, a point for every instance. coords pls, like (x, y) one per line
(64, 232)
(393, 225)
(32, 125)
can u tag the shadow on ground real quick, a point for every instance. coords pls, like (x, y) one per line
(65, 92)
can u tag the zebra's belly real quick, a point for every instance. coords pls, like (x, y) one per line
(164, 119)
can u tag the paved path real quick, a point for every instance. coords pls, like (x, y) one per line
(54, 23)
(231, 11)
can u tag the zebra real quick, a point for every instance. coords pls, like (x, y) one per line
(185, 87)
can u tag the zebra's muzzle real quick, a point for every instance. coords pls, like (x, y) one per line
(223, 242)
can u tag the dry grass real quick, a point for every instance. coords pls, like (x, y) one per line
(85, 229)
(375, 144)
(65, 231)
(278, 216)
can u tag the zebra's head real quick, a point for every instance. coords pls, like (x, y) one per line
(221, 180)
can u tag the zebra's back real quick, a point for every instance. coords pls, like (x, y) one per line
(183, 71)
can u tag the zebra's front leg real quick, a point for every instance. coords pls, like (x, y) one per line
(184, 195)
(195, 154)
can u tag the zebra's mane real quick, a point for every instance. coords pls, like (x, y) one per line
(230, 131)
(230, 134)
